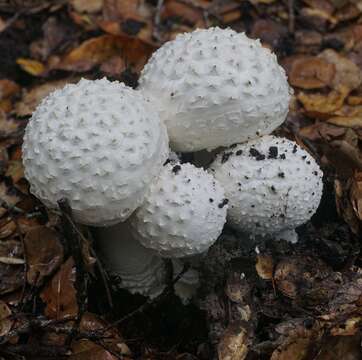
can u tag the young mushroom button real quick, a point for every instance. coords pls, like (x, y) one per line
(183, 214)
(98, 144)
(215, 87)
(272, 184)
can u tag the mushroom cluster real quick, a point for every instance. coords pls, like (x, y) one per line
(103, 147)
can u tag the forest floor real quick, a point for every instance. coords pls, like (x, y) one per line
(300, 301)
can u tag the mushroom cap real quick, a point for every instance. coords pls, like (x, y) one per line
(215, 87)
(137, 269)
(183, 213)
(272, 185)
(99, 145)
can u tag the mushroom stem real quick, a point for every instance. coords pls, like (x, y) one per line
(289, 235)
(138, 269)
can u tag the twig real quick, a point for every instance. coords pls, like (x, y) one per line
(291, 17)
(157, 21)
(75, 245)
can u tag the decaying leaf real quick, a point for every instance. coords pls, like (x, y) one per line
(348, 74)
(311, 73)
(233, 344)
(31, 98)
(11, 275)
(306, 280)
(113, 341)
(5, 321)
(60, 295)
(264, 266)
(87, 6)
(33, 67)
(322, 106)
(8, 197)
(8, 88)
(44, 253)
(340, 347)
(100, 49)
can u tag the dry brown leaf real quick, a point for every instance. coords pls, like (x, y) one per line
(31, 98)
(349, 122)
(233, 344)
(321, 131)
(187, 13)
(15, 170)
(311, 73)
(8, 88)
(296, 349)
(9, 128)
(9, 196)
(5, 322)
(11, 275)
(348, 74)
(44, 253)
(356, 194)
(7, 227)
(60, 296)
(322, 106)
(264, 266)
(32, 67)
(85, 349)
(349, 328)
(114, 66)
(87, 6)
(100, 49)
(340, 347)
(126, 9)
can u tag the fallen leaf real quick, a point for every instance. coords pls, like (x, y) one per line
(321, 131)
(233, 344)
(11, 275)
(87, 6)
(32, 67)
(86, 349)
(31, 98)
(126, 9)
(349, 122)
(311, 73)
(322, 106)
(8, 88)
(100, 49)
(265, 266)
(5, 321)
(59, 295)
(348, 74)
(8, 197)
(7, 227)
(114, 66)
(44, 253)
(356, 194)
(184, 12)
(340, 347)
(15, 170)
(296, 349)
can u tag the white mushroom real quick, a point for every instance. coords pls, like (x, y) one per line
(138, 269)
(98, 144)
(214, 88)
(272, 184)
(183, 213)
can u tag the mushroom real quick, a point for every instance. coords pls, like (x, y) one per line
(132, 266)
(138, 269)
(98, 144)
(272, 184)
(215, 87)
(183, 213)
